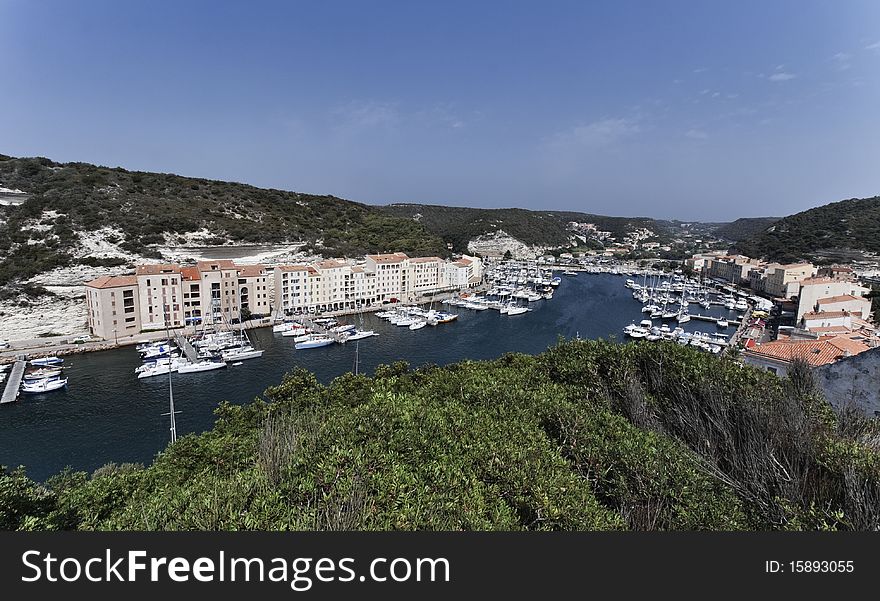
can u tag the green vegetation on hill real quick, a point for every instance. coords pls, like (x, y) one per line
(822, 234)
(459, 225)
(146, 207)
(588, 435)
(744, 228)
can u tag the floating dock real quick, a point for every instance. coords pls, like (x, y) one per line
(187, 348)
(13, 382)
(319, 329)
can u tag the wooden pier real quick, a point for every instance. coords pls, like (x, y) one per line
(13, 382)
(732, 322)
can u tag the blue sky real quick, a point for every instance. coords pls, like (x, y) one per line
(703, 110)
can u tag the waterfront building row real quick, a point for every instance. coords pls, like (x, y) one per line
(213, 292)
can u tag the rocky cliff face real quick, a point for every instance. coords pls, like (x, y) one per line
(499, 242)
(855, 380)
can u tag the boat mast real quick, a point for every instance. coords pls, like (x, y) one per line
(171, 411)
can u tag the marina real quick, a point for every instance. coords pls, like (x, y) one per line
(108, 414)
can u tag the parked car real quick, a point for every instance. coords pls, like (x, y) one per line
(79, 339)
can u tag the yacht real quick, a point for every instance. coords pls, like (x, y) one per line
(722, 323)
(516, 310)
(683, 317)
(361, 334)
(44, 385)
(43, 361)
(190, 368)
(418, 324)
(240, 353)
(314, 342)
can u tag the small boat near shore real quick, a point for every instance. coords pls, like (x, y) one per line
(43, 361)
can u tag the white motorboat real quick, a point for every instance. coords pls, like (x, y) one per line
(160, 369)
(683, 317)
(46, 385)
(343, 328)
(514, 310)
(314, 342)
(569, 273)
(43, 361)
(361, 334)
(191, 368)
(283, 327)
(418, 325)
(722, 323)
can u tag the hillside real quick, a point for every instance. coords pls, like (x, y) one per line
(589, 435)
(459, 225)
(135, 210)
(835, 231)
(744, 228)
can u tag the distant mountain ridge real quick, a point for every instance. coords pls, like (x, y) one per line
(744, 227)
(837, 231)
(135, 210)
(459, 225)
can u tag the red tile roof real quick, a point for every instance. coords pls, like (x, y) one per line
(252, 271)
(841, 298)
(190, 274)
(814, 352)
(389, 258)
(329, 264)
(216, 265)
(113, 281)
(825, 315)
(156, 269)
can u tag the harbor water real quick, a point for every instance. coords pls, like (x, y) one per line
(107, 415)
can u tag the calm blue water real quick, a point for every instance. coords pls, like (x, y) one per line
(108, 415)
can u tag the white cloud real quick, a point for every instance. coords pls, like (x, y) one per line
(701, 70)
(716, 94)
(365, 115)
(597, 134)
(782, 76)
(841, 61)
(696, 134)
(874, 46)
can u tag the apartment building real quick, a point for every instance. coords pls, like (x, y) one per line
(424, 275)
(219, 285)
(780, 281)
(160, 296)
(112, 306)
(334, 284)
(391, 275)
(815, 289)
(732, 268)
(255, 292)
